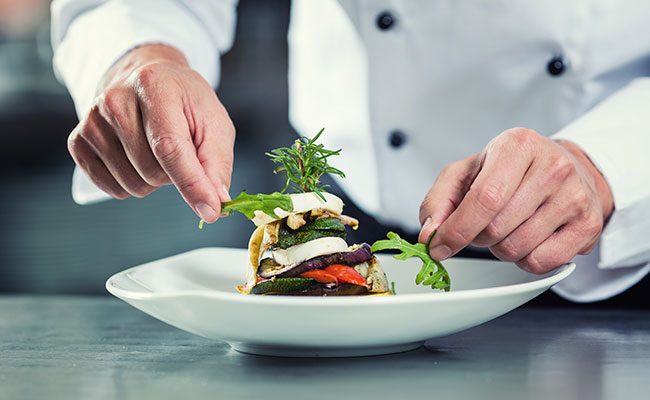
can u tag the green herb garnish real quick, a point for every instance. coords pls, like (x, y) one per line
(247, 204)
(303, 164)
(432, 272)
(392, 287)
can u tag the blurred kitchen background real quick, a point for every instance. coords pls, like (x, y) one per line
(48, 244)
(51, 245)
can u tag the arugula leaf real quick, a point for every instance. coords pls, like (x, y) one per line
(432, 272)
(247, 204)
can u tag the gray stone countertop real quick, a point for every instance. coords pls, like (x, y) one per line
(74, 347)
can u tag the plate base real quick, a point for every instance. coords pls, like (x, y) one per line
(323, 352)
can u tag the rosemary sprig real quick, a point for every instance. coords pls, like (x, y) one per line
(303, 164)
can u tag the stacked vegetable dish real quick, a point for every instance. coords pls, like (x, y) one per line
(308, 253)
(299, 247)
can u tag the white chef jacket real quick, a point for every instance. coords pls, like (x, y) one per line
(406, 87)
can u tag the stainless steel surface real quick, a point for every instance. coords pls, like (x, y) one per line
(65, 347)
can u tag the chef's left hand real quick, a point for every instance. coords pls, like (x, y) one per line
(529, 199)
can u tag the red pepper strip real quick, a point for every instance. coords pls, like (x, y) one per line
(319, 276)
(346, 274)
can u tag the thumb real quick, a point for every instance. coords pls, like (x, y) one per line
(446, 193)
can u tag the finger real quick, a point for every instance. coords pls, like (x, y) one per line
(496, 182)
(121, 109)
(529, 235)
(445, 194)
(84, 156)
(558, 249)
(169, 137)
(100, 136)
(214, 146)
(533, 192)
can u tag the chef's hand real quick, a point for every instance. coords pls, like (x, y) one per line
(156, 122)
(531, 200)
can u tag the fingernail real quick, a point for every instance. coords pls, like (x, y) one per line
(440, 252)
(206, 212)
(225, 193)
(427, 222)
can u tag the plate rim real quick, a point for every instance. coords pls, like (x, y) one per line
(560, 273)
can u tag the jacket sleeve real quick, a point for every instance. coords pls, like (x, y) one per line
(616, 136)
(88, 36)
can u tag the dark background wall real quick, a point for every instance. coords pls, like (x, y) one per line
(48, 244)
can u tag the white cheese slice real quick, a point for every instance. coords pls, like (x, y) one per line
(311, 249)
(302, 202)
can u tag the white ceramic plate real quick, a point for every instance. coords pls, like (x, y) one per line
(195, 291)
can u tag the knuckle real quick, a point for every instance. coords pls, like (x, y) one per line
(188, 185)
(490, 198)
(120, 195)
(580, 201)
(458, 238)
(588, 249)
(81, 160)
(522, 137)
(74, 144)
(506, 250)
(592, 225)
(534, 265)
(140, 190)
(561, 167)
(156, 178)
(450, 170)
(443, 176)
(446, 171)
(92, 133)
(166, 148)
(531, 264)
(148, 75)
(560, 262)
(112, 188)
(114, 102)
(97, 139)
(494, 232)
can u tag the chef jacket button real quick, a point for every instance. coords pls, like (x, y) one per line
(556, 66)
(385, 20)
(397, 139)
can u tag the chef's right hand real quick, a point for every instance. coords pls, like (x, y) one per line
(155, 122)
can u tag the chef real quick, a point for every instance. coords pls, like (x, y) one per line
(519, 126)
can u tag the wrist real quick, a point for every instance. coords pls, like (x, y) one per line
(602, 187)
(139, 57)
